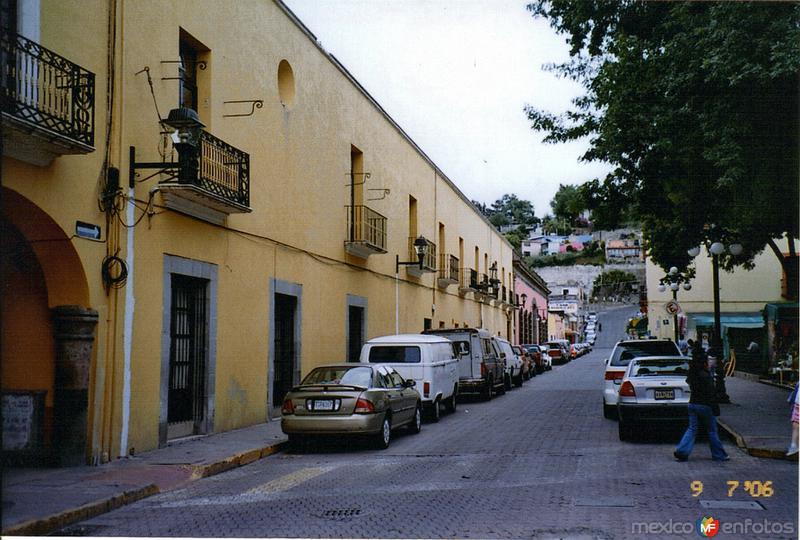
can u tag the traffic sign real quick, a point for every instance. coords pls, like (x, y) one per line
(673, 307)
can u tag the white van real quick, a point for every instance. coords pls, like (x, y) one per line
(431, 361)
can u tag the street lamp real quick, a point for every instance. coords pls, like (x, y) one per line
(716, 249)
(673, 281)
(420, 248)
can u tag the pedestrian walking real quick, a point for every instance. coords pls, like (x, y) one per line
(703, 408)
(794, 398)
(683, 345)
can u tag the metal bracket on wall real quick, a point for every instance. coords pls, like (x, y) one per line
(366, 176)
(200, 64)
(255, 104)
(386, 193)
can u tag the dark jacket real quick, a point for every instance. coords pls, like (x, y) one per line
(703, 391)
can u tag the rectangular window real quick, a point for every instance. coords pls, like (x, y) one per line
(187, 71)
(394, 354)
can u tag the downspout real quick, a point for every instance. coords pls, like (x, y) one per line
(130, 300)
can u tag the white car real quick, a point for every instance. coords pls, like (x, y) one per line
(430, 361)
(653, 392)
(623, 352)
(513, 363)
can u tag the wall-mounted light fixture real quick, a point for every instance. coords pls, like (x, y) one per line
(420, 248)
(185, 140)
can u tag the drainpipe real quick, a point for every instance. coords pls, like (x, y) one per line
(127, 333)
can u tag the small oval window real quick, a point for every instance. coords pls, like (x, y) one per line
(285, 83)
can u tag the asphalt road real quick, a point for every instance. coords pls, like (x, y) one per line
(539, 462)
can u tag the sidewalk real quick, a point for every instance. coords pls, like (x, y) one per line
(40, 501)
(757, 417)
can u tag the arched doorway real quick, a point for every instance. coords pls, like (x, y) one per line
(47, 338)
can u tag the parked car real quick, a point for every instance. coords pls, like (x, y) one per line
(534, 353)
(557, 352)
(480, 368)
(547, 362)
(624, 351)
(512, 361)
(528, 367)
(431, 361)
(654, 392)
(351, 399)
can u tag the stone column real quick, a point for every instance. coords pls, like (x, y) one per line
(73, 327)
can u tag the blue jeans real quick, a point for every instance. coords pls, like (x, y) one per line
(704, 413)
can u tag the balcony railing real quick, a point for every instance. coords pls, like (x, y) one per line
(47, 96)
(428, 262)
(213, 186)
(469, 280)
(366, 231)
(448, 269)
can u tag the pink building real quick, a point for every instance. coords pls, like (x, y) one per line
(530, 317)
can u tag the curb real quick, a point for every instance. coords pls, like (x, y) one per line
(46, 525)
(768, 453)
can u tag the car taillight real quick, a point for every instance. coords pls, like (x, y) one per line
(364, 405)
(627, 390)
(614, 375)
(288, 407)
(483, 369)
(426, 388)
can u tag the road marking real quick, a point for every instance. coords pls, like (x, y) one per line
(288, 481)
(264, 492)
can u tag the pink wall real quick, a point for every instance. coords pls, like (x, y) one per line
(533, 296)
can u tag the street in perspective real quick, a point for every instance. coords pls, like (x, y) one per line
(493, 269)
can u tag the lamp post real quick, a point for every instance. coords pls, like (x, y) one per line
(523, 320)
(716, 249)
(673, 281)
(421, 249)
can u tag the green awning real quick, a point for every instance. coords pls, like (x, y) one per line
(736, 320)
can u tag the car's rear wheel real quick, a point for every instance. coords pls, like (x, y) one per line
(416, 423)
(501, 388)
(384, 436)
(435, 413)
(450, 404)
(609, 411)
(488, 390)
(507, 382)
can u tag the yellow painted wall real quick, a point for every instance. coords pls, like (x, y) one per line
(740, 291)
(300, 160)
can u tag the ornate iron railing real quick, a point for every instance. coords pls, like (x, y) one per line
(469, 279)
(223, 169)
(429, 261)
(367, 226)
(448, 267)
(46, 89)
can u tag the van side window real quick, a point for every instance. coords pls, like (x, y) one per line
(487, 347)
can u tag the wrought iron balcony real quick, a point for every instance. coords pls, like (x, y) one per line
(213, 186)
(448, 270)
(366, 231)
(469, 280)
(47, 102)
(428, 262)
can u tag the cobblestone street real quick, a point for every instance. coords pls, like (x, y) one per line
(539, 462)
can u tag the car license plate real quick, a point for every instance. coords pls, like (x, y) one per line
(323, 404)
(666, 393)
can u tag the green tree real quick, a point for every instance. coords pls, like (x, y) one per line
(513, 210)
(568, 203)
(695, 106)
(614, 283)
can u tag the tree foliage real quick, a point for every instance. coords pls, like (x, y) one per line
(695, 106)
(512, 210)
(568, 203)
(614, 282)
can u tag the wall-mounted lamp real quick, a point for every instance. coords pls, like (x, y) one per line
(420, 248)
(188, 127)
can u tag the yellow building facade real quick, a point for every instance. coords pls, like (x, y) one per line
(743, 294)
(218, 281)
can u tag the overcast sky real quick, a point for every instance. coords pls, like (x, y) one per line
(456, 75)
